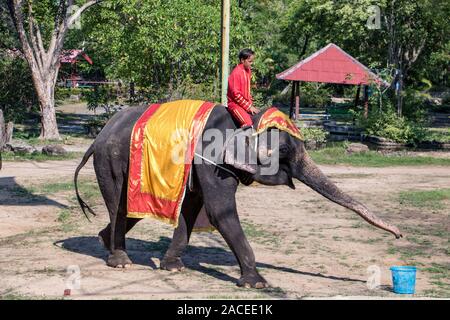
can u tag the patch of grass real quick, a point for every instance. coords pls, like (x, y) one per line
(435, 293)
(34, 236)
(257, 233)
(436, 230)
(18, 296)
(425, 198)
(88, 189)
(372, 240)
(39, 157)
(439, 134)
(64, 216)
(438, 271)
(365, 241)
(47, 271)
(337, 155)
(51, 187)
(419, 241)
(408, 254)
(350, 175)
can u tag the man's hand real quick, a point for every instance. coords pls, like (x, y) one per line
(254, 110)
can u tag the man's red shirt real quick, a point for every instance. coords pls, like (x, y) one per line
(239, 88)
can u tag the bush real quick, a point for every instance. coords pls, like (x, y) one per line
(314, 134)
(314, 137)
(311, 95)
(314, 95)
(199, 91)
(95, 125)
(18, 98)
(387, 124)
(62, 94)
(103, 97)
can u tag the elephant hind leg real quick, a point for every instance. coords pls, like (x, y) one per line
(104, 236)
(113, 188)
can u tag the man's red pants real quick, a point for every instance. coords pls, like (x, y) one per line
(242, 116)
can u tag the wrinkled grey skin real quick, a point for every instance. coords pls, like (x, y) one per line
(213, 187)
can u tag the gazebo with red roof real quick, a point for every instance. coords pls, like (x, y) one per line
(330, 64)
(71, 57)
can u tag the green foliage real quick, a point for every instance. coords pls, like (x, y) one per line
(337, 155)
(104, 97)
(417, 29)
(441, 135)
(315, 95)
(171, 49)
(17, 96)
(425, 198)
(262, 99)
(190, 89)
(37, 156)
(317, 135)
(158, 43)
(65, 93)
(387, 124)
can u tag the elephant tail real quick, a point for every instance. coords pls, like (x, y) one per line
(83, 204)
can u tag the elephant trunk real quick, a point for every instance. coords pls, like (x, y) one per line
(308, 173)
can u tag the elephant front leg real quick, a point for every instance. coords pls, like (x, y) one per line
(189, 212)
(225, 219)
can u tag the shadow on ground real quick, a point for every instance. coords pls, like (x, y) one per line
(16, 195)
(141, 252)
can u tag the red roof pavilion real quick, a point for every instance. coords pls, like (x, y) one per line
(70, 56)
(330, 64)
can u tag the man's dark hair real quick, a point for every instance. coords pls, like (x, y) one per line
(245, 54)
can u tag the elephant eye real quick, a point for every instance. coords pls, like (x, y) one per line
(284, 150)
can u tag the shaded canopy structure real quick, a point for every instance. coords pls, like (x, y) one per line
(330, 64)
(72, 57)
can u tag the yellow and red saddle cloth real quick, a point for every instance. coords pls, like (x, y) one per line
(274, 118)
(162, 148)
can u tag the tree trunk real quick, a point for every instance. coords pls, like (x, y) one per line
(399, 94)
(366, 101)
(2, 131)
(6, 131)
(9, 132)
(49, 126)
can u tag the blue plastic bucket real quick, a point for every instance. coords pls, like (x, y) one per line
(404, 279)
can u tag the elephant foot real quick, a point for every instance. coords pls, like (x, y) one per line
(104, 237)
(253, 280)
(119, 259)
(171, 264)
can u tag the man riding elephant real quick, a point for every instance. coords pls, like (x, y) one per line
(240, 101)
(214, 184)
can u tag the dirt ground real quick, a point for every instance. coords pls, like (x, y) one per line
(305, 245)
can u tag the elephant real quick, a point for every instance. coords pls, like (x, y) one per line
(214, 189)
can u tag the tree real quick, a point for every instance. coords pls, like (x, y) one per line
(162, 46)
(41, 28)
(263, 19)
(410, 31)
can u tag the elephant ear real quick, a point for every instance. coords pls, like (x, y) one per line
(239, 151)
